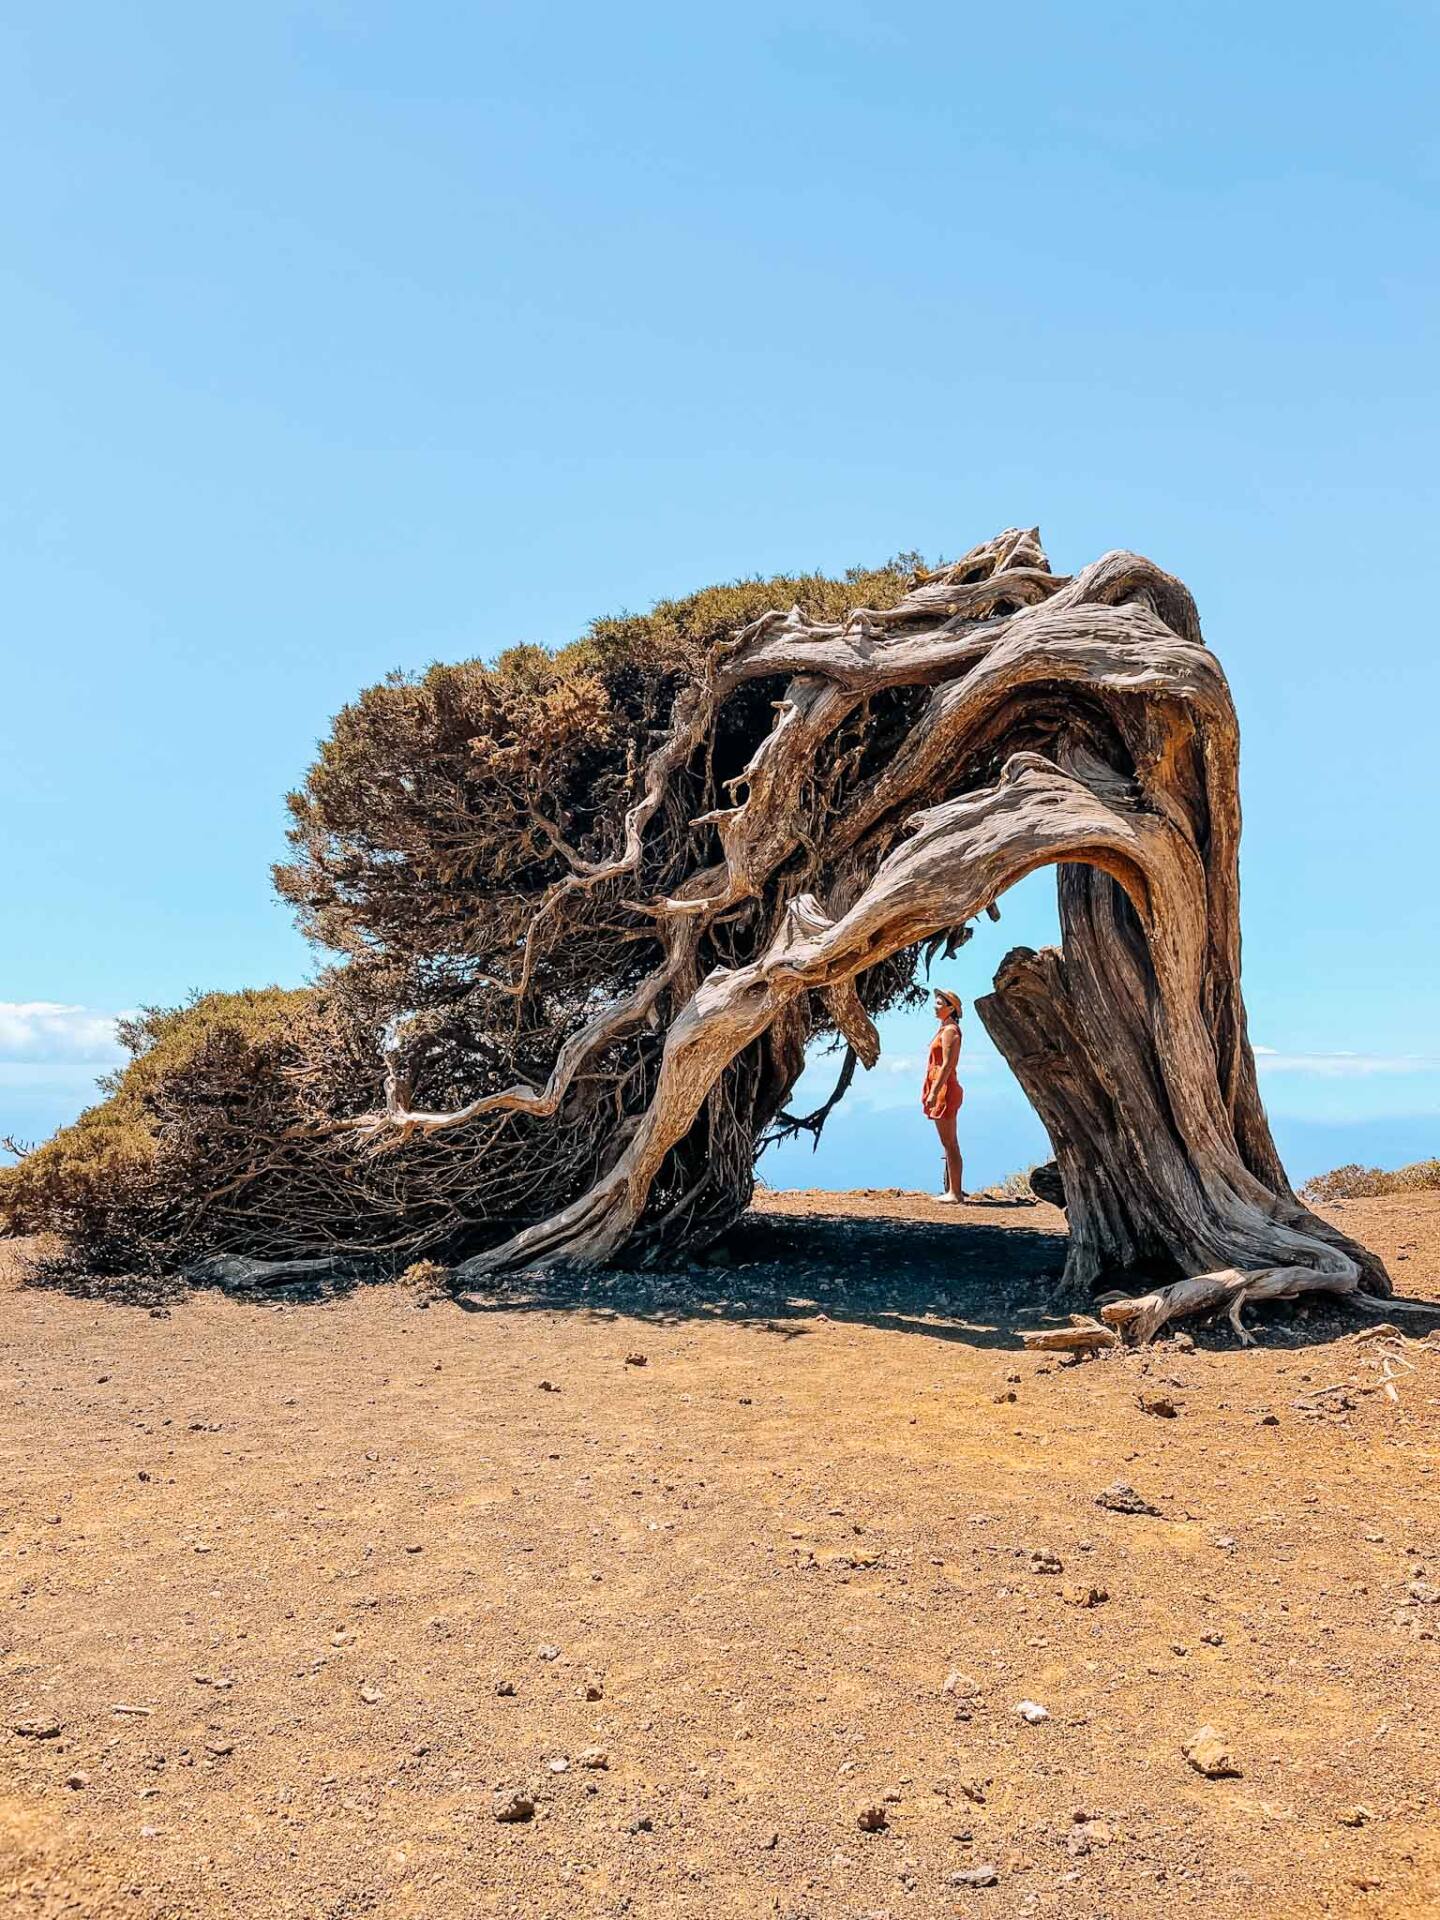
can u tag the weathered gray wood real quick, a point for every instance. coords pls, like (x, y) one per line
(1083, 1335)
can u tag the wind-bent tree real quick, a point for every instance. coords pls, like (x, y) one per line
(599, 904)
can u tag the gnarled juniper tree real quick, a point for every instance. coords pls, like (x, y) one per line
(594, 906)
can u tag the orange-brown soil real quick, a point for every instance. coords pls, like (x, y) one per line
(356, 1571)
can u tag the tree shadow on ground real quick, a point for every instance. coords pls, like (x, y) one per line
(979, 1286)
(962, 1283)
(951, 1281)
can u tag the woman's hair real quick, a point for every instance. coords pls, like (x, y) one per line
(951, 1002)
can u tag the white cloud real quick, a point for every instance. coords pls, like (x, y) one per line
(1343, 1066)
(48, 1030)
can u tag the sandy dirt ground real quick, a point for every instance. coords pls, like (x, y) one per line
(295, 1596)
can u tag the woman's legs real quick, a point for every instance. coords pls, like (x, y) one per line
(945, 1126)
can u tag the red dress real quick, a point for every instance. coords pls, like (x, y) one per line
(942, 1090)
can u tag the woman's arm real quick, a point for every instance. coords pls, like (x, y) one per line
(950, 1051)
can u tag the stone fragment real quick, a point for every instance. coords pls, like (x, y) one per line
(1208, 1754)
(975, 1877)
(1083, 1593)
(1121, 1497)
(1160, 1404)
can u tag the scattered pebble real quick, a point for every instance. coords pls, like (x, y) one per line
(547, 1653)
(596, 1758)
(1042, 1560)
(505, 1689)
(1208, 1754)
(1032, 1711)
(1121, 1497)
(1160, 1404)
(872, 1819)
(38, 1729)
(370, 1695)
(513, 1807)
(1083, 1593)
(975, 1877)
(1425, 1591)
(77, 1780)
(637, 1359)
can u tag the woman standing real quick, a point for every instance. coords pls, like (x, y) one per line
(943, 1093)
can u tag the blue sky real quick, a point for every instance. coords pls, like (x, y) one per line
(341, 337)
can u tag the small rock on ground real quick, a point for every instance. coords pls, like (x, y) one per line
(1121, 1497)
(1083, 1593)
(512, 1807)
(1208, 1754)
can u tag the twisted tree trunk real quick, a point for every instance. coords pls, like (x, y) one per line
(1027, 720)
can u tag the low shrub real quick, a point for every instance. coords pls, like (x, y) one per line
(1355, 1182)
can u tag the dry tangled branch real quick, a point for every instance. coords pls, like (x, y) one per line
(600, 914)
